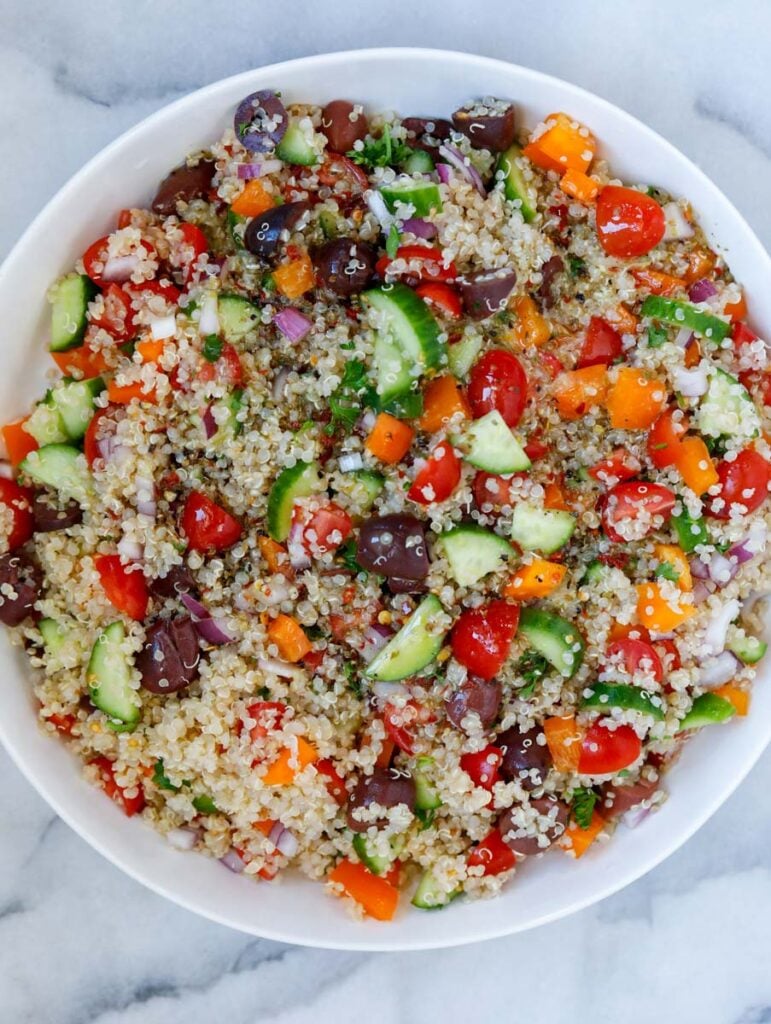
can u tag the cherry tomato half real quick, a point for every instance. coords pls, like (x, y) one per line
(117, 317)
(401, 722)
(629, 223)
(207, 526)
(498, 382)
(602, 344)
(664, 438)
(125, 587)
(619, 466)
(164, 287)
(482, 766)
(130, 805)
(635, 656)
(18, 501)
(490, 489)
(481, 637)
(194, 243)
(635, 502)
(438, 477)
(493, 855)
(606, 750)
(326, 529)
(745, 481)
(429, 262)
(441, 295)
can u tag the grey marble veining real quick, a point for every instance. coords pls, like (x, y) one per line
(80, 943)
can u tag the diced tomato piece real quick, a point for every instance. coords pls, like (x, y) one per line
(125, 586)
(745, 481)
(498, 382)
(481, 637)
(608, 750)
(194, 245)
(326, 529)
(62, 723)
(636, 656)
(207, 526)
(664, 439)
(430, 263)
(629, 223)
(130, 805)
(18, 501)
(438, 477)
(227, 369)
(117, 317)
(333, 779)
(482, 766)
(268, 716)
(553, 366)
(401, 721)
(493, 855)
(443, 297)
(635, 500)
(535, 448)
(619, 466)
(169, 291)
(602, 344)
(668, 655)
(490, 489)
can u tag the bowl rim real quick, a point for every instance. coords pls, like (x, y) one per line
(381, 943)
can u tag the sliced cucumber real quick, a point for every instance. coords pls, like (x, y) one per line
(426, 795)
(414, 646)
(595, 572)
(708, 709)
(237, 316)
(462, 355)
(377, 863)
(297, 481)
(489, 444)
(204, 804)
(369, 484)
(429, 895)
(541, 529)
(554, 637)
(423, 196)
(621, 695)
(228, 424)
(690, 532)
(109, 677)
(62, 467)
(419, 162)
(727, 409)
(299, 145)
(54, 635)
(473, 552)
(392, 369)
(514, 185)
(45, 424)
(683, 314)
(74, 400)
(69, 305)
(408, 339)
(747, 648)
(406, 406)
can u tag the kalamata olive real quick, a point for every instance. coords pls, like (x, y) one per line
(424, 128)
(480, 698)
(183, 184)
(49, 516)
(178, 580)
(342, 126)
(485, 292)
(401, 585)
(170, 657)
(616, 800)
(345, 266)
(524, 759)
(552, 822)
(486, 129)
(263, 235)
(386, 787)
(20, 583)
(393, 545)
(261, 121)
(551, 269)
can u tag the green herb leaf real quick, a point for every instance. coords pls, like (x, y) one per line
(352, 394)
(392, 242)
(667, 571)
(160, 778)
(347, 555)
(381, 152)
(212, 348)
(576, 266)
(532, 667)
(352, 678)
(204, 804)
(657, 335)
(582, 806)
(425, 817)
(526, 691)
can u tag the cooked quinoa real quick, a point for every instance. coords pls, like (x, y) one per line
(399, 514)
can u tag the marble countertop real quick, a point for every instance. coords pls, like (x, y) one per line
(80, 943)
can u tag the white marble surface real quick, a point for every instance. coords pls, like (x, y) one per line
(82, 944)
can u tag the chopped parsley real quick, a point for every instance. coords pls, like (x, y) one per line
(381, 152)
(353, 392)
(161, 779)
(576, 265)
(657, 335)
(352, 678)
(392, 242)
(532, 667)
(666, 571)
(204, 804)
(582, 806)
(347, 555)
(212, 348)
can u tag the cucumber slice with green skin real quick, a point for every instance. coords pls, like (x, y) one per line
(69, 305)
(329, 224)
(426, 796)
(236, 227)
(489, 444)
(554, 637)
(298, 481)
(298, 146)
(377, 863)
(74, 401)
(621, 695)
(423, 196)
(430, 896)
(408, 339)
(690, 532)
(404, 407)
(727, 409)
(708, 709)
(230, 425)
(514, 185)
(204, 804)
(54, 635)
(371, 484)
(683, 314)
(473, 552)
(109, 677)
(419, 162)
(237, 317)
(541, 529)
(414, 647)
(462, 355)
(749, 649)
(62, 467)
(595, 572)
(45, 424)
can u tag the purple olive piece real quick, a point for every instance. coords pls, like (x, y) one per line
(183, 185)
(170, 657)
(553, 822)
(616, 800)
(345, 266)
(424, 128)
(264, 234)
(261, 121)
(478, 697)
(25, 579)
(494, 131)
(49, 516)
(524, 759)
(485, 292)
(178, 580)
(341, 126)
(386, 787)
(401, 585)
(393, 546)
(551, 269)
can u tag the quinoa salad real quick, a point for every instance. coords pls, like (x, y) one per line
(397, 508)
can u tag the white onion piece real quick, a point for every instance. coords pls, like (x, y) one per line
(715, 633)
(678, 227)
(233, 862)
(349, 462)
(635, 815)
(279, 668)
(287, 843)
(163, 327)
(120, 268)
(691, 383)
(683, 336)
(279, 384)
(279, 592)
(716, 671)
(210, 321)
(183, 838)
(131, 549)
(387, 691)
(721, 569)
(377, 207)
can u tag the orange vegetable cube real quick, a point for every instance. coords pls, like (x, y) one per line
(377, 897)
(577, 840)
(635, 401)
(579, 186)
(18, 443)
(736, 310)
(656, 613)
(254, 200)
(389, 439)
(122, 394)
(676, 557)
(578, 391)
(555, 496)
(295, 278)
(531, 328)
(564, 739)
(623, 319)
(442, 399)
(739, 698)
(695, 465)
(275, 554)
(565, 145)
(658, 283)
(289, 763)
(150, 350)
(700, 263)
(289, 636)
(539, 579)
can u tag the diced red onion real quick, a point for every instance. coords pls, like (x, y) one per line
(163, 327)
(717, 628)
(365, 422)
(120, 268)
(258, 170)
(279, 668)
(718, 670)
(721, 569)
(751, 545)
(701, 290)
(287, 843)
(699, 569)
(233, 862)
(683, 336)
(146, 503)
(635, 815)
(292, 324)
(131, 549)
(209, 423)
(279, 384)
(419, 227)
(387, 691)
(377, 207)
(677, 225)
(444, 172)
(183, 838)
(210, 321)
(375, 639)
(295, 545)
(349, 462)
(702, 590)
(691, 383)
(213, 630)
(464, 167)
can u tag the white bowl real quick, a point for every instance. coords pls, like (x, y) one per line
(296, 910)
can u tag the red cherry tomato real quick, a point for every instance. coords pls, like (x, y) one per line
(117, 316)
(337, 168)
(400, 723)
(481, 637)
(227, 369)
(429, 260)
(482, 766)
(745, 481)
(443, 297)
(194, 243)
(333, 779)
(664, 438)
(62, 723)
(94, 259)
(493, 855)
(498, 382)
(629, 223)
(18, 501)
(602, 344)
(130, 805)
(635, 501)
(636, 656)
(608, 750)
(619, 466)
(438, 477)
(553, 366)
(326, 529)
(165, 288)
(535, 448)
(125, 587)
(268, 716)
(207, 526)
(489, 489)
(669, 655)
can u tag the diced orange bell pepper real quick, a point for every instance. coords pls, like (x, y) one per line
(739, 698)
(150, 350)
(563, 738)
(692, 355)
(656, 613)
(275, 554)
(122, 394)
(289, 636)
(295, 278)
(695, 465)
(539, 579)
(387, 749)
(623, 319)
(578, 391)
(676, 557)
(657, 282)
(579, 186)
(377, 897)
(564, 146)
(555, 496)
(84, 360)
(531, 329)
(635, 401)
(577, 840)
(254, 200)
(289, 763)
(700, 263)
(389, 439)
(442, 399)
(18, 443)
(736, 310)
